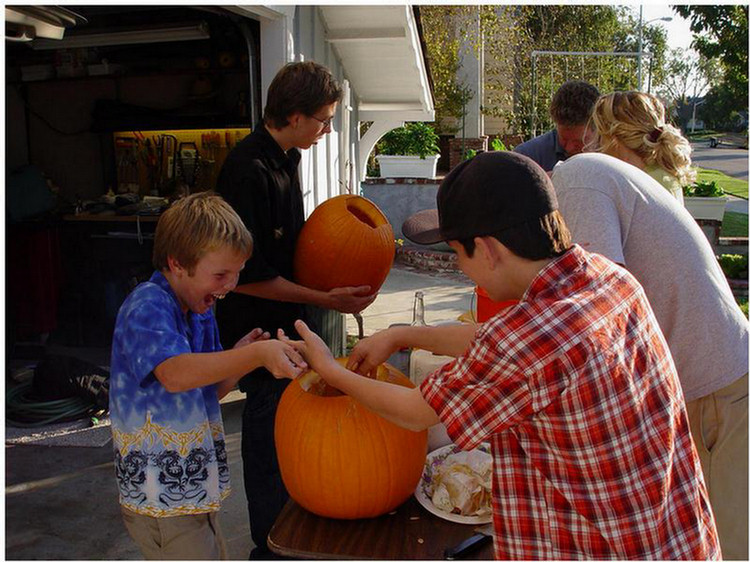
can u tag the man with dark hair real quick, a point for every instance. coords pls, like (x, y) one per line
(573, 386)
(260, 180)
(570, 109)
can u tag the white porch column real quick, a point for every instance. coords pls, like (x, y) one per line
(471, 74)
(345, 154)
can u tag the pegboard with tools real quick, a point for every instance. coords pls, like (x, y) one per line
(172, 162)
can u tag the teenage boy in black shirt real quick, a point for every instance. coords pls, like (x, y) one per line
(260, 180)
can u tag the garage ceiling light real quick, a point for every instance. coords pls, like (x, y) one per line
(191, 32)
(27, 22)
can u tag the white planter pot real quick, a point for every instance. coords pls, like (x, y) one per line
(711, 208)
(407, 166)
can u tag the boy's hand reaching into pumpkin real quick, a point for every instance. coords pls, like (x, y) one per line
(372, 351)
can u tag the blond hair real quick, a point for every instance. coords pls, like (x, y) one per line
(195, 225)
(637, 121)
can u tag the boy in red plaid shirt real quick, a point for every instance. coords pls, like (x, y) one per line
(574, 386)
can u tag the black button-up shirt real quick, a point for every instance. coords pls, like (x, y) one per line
(261, 182)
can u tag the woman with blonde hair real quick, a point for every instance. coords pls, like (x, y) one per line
(631, 127)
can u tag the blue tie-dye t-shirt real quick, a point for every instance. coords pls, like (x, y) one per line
(170, 456)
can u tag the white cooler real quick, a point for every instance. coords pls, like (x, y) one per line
(421, 364)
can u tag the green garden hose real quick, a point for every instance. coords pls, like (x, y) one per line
(22, 410)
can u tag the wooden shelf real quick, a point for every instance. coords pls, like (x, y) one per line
(13, 75)
(105, 217)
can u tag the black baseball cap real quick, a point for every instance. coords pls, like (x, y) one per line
(483, 195)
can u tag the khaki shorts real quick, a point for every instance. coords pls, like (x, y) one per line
(718, 424)
(183, 537)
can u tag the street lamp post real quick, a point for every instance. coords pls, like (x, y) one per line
(640, 43)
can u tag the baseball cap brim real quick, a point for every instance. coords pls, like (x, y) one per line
(423, 227)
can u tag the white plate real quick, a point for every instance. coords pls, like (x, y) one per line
(437, 457)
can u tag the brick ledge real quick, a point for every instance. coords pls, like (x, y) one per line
(428, 260)
(400, 181)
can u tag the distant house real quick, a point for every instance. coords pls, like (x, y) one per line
(695, 125)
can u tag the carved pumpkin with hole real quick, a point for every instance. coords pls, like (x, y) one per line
(346, 242)
(337, 458)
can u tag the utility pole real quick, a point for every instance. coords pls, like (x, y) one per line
(640, 45)
(640, 48)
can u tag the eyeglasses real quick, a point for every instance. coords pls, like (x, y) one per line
(327, 123)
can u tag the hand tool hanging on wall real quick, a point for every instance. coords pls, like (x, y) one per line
(188, 165)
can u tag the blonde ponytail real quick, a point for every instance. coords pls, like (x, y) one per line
(637, 121)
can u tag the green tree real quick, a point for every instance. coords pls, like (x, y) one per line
(571, 28)
(510, 33)
(443, 45)
(688, 77)
(718, 110)
(720, 32)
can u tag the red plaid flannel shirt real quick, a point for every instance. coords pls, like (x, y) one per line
(576, 391)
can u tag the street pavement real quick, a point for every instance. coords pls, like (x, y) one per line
(728, 159)
(736, 205)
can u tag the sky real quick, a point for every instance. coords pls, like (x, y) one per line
(678, 30)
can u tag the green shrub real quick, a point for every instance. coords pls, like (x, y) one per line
(413, 139)
(469, 154)
(497, 144)
(730, 185)
(702, 189)
(734, 266)
(743, 305)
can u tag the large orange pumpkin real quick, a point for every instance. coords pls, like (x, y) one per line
(346, 242)
(337, 458)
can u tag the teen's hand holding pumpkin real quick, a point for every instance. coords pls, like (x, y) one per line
(345, 299)
(350, 299)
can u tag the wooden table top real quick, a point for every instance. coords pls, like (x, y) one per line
(409, 533)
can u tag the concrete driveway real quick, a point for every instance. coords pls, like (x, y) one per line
(61, 502)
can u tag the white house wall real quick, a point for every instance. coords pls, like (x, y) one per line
(298, 34)
(375, 49)
(323, 163)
